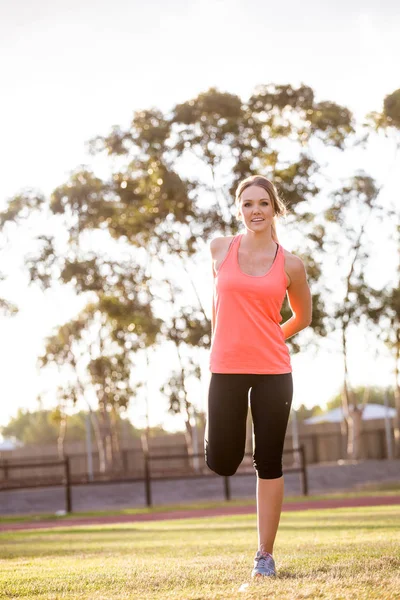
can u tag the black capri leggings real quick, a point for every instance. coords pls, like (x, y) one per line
(225, 436)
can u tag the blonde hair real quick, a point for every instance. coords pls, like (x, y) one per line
(278, 205)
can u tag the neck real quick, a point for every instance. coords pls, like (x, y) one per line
(259, 241)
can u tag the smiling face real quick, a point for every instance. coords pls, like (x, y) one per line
(255, 203)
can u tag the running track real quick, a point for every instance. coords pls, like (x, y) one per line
(205, 512)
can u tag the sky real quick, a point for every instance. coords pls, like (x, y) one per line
(72, 70)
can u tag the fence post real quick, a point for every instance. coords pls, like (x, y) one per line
(314, 439)
(125, 461)
(304, 483)
(68, 499)
(227, 488)
(147, 474)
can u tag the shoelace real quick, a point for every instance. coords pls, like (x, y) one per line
(262, 561)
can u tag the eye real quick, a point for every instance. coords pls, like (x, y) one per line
(263, 202)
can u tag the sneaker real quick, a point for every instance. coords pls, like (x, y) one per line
(264, 565)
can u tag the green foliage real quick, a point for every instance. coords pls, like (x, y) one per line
(145, 201)
(7, 308)
(152, 130)
(21, 206)
(389, 117)
(376, 396)
(391, 106)
(211, 107)
(41, 427)
(79, 195)
(331, 123)
(303, 412)
(32, 427)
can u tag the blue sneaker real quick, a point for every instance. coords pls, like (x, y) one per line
(264, 565)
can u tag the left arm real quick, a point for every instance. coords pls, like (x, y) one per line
(299, 296)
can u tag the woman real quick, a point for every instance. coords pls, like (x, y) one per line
(252, 274)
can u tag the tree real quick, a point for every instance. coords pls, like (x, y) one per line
(302, 412)
(41, 427)
(83, 346)
(15, 206)
(358, 196)
(148, 206)
(31, 427)
(387, 314)
(375, 396)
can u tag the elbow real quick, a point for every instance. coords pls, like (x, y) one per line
(303, 321)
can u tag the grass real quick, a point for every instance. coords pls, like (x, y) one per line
(383, 489)
(350, 554)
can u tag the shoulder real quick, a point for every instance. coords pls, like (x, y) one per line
(293, 261)
(220, 243)
(294, 267)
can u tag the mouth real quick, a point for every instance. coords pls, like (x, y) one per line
(257, 220)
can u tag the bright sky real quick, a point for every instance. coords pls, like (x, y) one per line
(70, 70)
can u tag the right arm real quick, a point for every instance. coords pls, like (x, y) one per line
(213, 250)
(213, 308)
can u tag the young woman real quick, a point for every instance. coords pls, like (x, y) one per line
(252, 273)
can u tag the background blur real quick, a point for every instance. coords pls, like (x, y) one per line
(72, 71)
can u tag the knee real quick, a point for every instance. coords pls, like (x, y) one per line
(222, 465)
(268, 469)
(269, 474)
(224, 469)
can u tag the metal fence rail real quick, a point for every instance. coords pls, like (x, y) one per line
(150, 474)
(65, 480)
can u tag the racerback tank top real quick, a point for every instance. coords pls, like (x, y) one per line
(247, 337)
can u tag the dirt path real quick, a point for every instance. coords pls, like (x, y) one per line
(205, 512)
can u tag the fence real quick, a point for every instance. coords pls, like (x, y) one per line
(66, 480)
(132, 461)
(226, 480)
(150, 474)
(323, 442)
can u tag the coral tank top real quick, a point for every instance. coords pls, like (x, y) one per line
(247, 337)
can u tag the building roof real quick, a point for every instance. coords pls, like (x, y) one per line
(9, 444)
(371, 411)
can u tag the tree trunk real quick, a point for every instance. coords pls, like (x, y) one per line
(397, 398)
(347, 418)
(187, 406)
(96, 427)
(354, 422)
(352, 413)
(108, 440)
(105, 438)
(61, 435)
(99, 440)
(189, 439)
(115, 438)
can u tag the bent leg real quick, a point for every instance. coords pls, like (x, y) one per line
(225, 435)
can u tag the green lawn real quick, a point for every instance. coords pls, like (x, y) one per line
(329, 554)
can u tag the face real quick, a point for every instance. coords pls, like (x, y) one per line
(255, 203)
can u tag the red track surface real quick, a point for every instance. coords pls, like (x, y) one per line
(205, 512)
